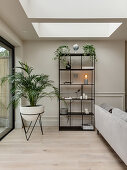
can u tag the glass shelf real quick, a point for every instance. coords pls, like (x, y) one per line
(76, 99)
(78, 84)
(77, 113)
(74, 128)
(76, 69)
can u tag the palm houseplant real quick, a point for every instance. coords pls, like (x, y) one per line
(61, 54)
(32, 87)
(89, 50)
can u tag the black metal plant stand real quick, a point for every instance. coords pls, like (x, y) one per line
(27, 130)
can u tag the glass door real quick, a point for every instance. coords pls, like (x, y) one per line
(6, 67)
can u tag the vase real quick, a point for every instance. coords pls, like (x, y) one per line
(68, 66)
(75, 47)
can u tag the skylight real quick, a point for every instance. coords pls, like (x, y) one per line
(75, 29)
(75, 9)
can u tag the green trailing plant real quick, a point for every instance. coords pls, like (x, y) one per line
(29, 86)
(89, 50)
(61, 53)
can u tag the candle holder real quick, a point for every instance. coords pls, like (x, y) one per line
(86, 79)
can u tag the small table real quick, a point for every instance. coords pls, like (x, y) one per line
(39, 115)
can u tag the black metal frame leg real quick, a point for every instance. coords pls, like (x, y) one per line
(40, 121)
(27, 130)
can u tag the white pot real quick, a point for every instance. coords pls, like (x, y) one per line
(31, 110)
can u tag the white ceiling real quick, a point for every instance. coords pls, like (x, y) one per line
(56, 11)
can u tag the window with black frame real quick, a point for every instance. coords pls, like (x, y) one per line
(6, 67)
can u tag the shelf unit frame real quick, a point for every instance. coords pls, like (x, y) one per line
(92, 99)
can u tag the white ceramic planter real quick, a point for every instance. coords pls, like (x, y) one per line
(29, 111)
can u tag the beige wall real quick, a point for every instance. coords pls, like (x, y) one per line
(126, 75)
(19, 56)
(110, 71)
(9, 35)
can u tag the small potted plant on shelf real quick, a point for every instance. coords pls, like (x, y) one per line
(61, 53)
(89, 50)
(30, 86)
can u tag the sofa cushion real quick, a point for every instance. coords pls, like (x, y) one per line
(120, 114)
(106, 107)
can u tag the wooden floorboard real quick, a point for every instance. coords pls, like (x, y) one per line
(56, 150)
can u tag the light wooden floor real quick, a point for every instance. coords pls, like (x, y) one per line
(57, 151)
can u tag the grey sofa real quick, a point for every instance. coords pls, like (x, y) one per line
(113, 127)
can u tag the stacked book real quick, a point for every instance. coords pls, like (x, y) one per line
(87, 127)
(88, 68)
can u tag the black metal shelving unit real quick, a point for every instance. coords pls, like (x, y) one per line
(69, 81)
